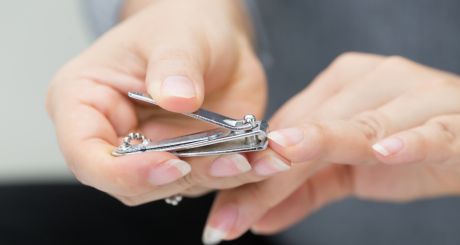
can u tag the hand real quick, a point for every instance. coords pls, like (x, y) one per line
(185, 54)
(379, 128)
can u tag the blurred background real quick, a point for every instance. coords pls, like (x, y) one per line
(37, 37)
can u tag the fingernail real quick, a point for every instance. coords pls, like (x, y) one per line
(287, 137)
(169, 171)
(388, 146)
(220, 225)
(178, 86)
(229, 165)
(269, 165)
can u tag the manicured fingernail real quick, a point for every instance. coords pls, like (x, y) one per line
(220, 224)
(169, 171)
(269, 165)
(178, 86)
(213, 236)
(388, 146)
(229, 165)
(287, 137)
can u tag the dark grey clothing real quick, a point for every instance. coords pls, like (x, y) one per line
(304, 37)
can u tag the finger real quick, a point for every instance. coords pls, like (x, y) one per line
(176, 67)
(214, 228)
(389, 78)
(88, 118)
(204, 175)
(412, 108)
(349, 141)
(435, 142)
(345, 69)
(326, 186)
(235, 210)
(161, 193)
(337, 76)
(196, 191)
(223, 172)
(442, 149)
(229, 171)
(340, 142)
(236, 170)
(92, 163)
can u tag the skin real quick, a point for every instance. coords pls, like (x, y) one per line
(88, 104)
(360, 102)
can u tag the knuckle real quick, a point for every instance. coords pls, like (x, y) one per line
(81, 178)
(342, 63)
(445, 128)
(396, 60)
(250, 177)
(431, 85)
(170, 53)
(396, 64)
(123, 181)
(195, 191)
(101, 98)
(420, 145)
(436, 84)
(199, 174)
(198, 178)
(189, 180)
(346, 58)
(317, 134)
(78, 173)
(129, 201)
(243, 179)
(372, 124)
(445, 83)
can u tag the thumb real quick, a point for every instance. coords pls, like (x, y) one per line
(175, 74)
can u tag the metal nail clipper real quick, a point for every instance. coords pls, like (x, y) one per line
(231, 136)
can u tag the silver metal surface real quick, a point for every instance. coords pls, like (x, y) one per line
(206, 116)
(233, 136)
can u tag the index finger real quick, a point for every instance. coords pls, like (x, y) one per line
(89, 117)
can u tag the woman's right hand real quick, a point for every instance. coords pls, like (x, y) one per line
(369, 126)
(185, 54)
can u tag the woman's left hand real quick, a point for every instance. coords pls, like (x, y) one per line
(379, 128)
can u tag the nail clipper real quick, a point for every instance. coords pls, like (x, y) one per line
(231, 136)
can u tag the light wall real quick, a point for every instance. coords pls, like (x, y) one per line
(36, 38)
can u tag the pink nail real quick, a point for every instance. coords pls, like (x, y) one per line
(287, 137)
(229, 165)
(269, 165)
(388, 146)
(178, 86)
(169, 171)
(220, 225)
